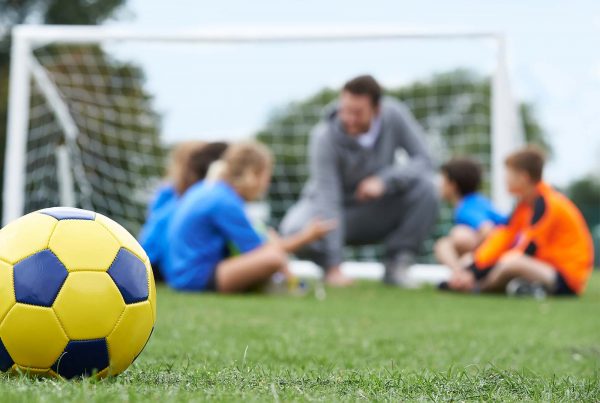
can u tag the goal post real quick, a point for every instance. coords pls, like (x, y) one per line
(507, 131)
(71, 172)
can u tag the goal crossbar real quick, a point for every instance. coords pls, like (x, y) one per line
(37, 34)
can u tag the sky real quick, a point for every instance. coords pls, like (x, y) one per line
(553, 55)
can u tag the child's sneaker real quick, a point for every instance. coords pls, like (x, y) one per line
(281, 284)
(518, 287)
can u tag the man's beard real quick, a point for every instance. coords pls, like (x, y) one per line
(360, 130)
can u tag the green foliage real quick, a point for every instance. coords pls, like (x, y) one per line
(13, 12)
(368, 343)
(287, 135)
(534, 133)
(585, 193)
(82, 12)
(69, 12)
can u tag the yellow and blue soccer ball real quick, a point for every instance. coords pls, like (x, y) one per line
(77, 295)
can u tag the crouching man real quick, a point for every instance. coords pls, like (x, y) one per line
(356, 179)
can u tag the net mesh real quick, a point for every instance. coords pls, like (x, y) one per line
(117, 155)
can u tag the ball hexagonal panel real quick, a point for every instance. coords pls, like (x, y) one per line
(129, 337)
(7, 294)
(88, 305)
(38, 278)
(25, 236)
(68, 213)
(82, 358)
(83, 245)
(130, 275)
(122, 235)
(32, 336)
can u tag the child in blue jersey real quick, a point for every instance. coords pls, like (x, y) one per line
(210, 219)
(189, 164)
(474, 214)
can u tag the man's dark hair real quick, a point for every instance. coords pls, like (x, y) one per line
(530, 160)
(201, 160)
(365, 85)
(465, 173)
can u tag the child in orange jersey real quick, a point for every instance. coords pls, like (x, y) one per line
(545, 248)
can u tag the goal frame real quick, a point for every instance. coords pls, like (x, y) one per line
(506, 129)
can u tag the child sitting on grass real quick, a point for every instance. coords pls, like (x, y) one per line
(210, 218)
(474, 214)
(546, 246)
(189, 164)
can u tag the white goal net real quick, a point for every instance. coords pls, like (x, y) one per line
(93, 110)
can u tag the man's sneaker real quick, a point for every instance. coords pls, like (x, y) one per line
(396, 271)
(518, 287)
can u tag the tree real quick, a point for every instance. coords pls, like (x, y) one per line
(69, 12)
(585, 193)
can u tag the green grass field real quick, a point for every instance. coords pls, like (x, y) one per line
(365, 343)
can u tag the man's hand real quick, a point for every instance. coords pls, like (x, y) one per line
(370, 188)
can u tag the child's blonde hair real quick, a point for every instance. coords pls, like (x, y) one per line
(241, 159)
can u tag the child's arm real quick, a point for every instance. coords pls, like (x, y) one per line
(500, 240)
(542, 221)
(313, 231)
(485, 257)
(495, 245)
(485, 229)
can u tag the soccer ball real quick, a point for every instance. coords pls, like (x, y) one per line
(77, 295)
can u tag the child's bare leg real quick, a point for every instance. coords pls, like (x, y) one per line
(464, 239)
(243, 272)
(515, 265)
(460, 241)
(446, 253)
